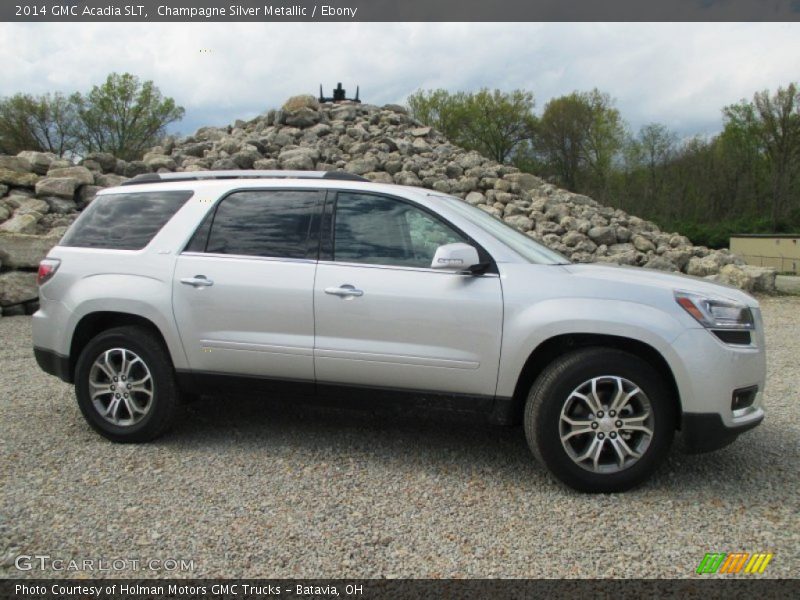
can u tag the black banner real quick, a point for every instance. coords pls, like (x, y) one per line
(398, 10)
(249, 589)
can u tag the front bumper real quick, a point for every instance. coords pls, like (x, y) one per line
(705, 432)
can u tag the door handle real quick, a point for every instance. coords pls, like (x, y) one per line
(344, 291)
(197, 281)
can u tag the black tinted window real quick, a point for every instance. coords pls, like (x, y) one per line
(124, 221)
(200, 237)
(385, 231)
(265, 223)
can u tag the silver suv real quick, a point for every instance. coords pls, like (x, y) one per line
(323, 284)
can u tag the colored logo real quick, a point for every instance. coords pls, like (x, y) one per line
(733, 563)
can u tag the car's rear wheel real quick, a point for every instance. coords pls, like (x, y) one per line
(600, 419)
(125, 385)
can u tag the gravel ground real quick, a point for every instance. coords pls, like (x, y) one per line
(252, 489)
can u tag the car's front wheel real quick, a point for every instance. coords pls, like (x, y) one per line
(600, 419)
(125, 385)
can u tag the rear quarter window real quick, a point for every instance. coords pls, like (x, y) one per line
(127, 221)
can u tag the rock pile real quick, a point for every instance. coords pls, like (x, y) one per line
(41, 194)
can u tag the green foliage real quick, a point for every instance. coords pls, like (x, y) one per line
(578, 140)
(744, 180)
(494, 123)
(123, 116)
(45, 123)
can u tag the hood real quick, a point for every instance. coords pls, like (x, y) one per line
(659, 279)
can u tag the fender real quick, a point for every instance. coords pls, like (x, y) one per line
(526, 327)
(145, 296)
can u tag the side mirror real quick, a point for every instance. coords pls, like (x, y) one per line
(456, 257)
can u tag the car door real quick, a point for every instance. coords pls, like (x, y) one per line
(243, 288)
(385, 319)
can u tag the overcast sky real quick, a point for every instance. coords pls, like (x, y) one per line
(678, 74)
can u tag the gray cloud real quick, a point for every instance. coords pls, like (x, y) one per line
(680, 74)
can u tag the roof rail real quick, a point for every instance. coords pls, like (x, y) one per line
(241, 174)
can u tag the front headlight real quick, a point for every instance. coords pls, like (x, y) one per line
(716, 313)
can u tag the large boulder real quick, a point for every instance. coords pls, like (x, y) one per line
(22, 251)
(155, 161)
(39, 161)
(603, 235)
(81, 175)
(15, 163)
(63, 187)
(18, 178)
(301, 159)
(21, 223)
(748, 277)
(303, 101)
(106, 161)
(17, 287)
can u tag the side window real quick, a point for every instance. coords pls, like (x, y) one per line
(275, 223)
(124, 221)
(384, 231)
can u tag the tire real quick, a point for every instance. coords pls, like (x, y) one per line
(556, 396)
(152, 403)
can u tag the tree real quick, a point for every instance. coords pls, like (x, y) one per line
(579, 136)
(44, 123)
(494, 123)
(124, 116)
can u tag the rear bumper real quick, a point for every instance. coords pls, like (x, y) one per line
(704, 432)
(53, 363)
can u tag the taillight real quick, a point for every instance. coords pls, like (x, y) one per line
(47, 268)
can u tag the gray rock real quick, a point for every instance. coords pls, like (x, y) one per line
(109, 180)
(159, 161)
(573, 238)
(302, 159)
(661, 263)
(57, 186)
(603, 235)
(748, 277)
(81, 174)
(86, 194)
(302, 118)
(379, 177)
(475, 198)
(703, 266)
(60, 205)
(197, 149)
(266, 164)
(22, 251)
(623, 234)
(17, 178)
(246, 158)
(407, 178)
(107, 161)
(17, 287)
(520, 222)
(360, 166)
(39, 161)
(136, 167)
(32, 205)
(642, 244)
(15, 163)
(525, 181)
(24, 223)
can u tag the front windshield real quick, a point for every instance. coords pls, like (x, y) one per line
(523, 245)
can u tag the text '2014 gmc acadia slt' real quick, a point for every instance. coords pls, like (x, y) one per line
(328, 285)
